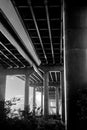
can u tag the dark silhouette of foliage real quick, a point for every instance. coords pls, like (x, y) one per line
(29, 122)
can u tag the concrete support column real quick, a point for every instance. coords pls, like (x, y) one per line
(76, 64)
(63, 96)
(34, 100)
(42, 100)
(46, 96)
(2, 93)
(26, 103)
(57, 101)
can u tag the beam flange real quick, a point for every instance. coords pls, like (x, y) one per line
(17, 71)
(11, 54)
(51, 68)
(6, 33)
(56, 76)
(49, 29)
(13, 17)
(38, 32)
(51, 76)
(55, 84)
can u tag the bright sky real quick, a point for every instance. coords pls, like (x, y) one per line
(15, 88)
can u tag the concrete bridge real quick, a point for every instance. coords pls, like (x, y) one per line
(45, 43)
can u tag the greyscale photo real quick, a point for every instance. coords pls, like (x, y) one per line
(43, 65)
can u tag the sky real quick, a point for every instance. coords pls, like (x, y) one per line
(15, 88)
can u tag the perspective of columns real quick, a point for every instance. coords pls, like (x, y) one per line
(63, 96)
(41, 100)
(57, 100)
(46, 112)
(2, 93)
(76, 64)
(26, 103)
(34, 100)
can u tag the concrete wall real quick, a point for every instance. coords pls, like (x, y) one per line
(76, 63)
(2, 93)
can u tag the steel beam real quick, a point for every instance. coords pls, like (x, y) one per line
(13, 17)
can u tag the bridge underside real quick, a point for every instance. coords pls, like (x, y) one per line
(31, 47)
(44, 43)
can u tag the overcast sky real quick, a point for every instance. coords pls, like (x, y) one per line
(15, 88)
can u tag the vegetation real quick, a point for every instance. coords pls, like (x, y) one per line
(30, 122)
